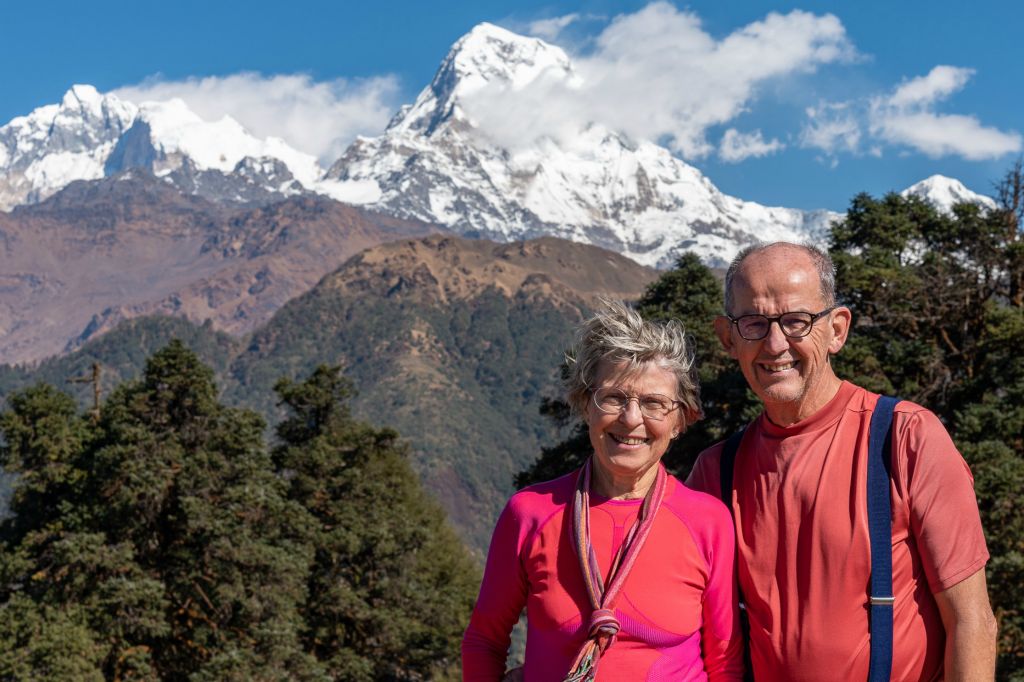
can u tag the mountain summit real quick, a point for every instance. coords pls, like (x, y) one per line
(89, 136)
(943, 193)
(438, 163)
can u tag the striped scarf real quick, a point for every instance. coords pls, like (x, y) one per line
(603, 624)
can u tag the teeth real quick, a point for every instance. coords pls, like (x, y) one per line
(779, 368)
(626, 440)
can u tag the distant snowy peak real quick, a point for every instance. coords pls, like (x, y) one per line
(943, 193)
(90, 136)
(487, 56)
(437, 164)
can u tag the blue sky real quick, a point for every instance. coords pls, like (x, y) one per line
(898, 91)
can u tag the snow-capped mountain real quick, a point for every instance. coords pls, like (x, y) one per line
(434, 163)
(943, 193)
(89, 136)
(437, 162)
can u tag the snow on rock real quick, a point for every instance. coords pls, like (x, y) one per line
(943, 193)
(434, 163)
(89, 136)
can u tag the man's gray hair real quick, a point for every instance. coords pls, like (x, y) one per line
(820, 257)
(618, 334)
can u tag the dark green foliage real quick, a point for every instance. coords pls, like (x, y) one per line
(461, 381)
(122, 352)
(161, 542)
(394, 586)
(692, 294)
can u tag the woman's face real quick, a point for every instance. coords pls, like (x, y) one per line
(627, 444)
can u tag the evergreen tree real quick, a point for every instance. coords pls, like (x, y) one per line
(393, 586)
(155, 545)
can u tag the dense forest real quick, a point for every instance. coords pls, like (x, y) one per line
(938, 309)
(163, 539)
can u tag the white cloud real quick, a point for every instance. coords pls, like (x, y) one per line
(940, 83)
(549, 29)
(906, 117)
(657, 74)
(832, 128)
(317, 117)
(737, 146)
(945, 135)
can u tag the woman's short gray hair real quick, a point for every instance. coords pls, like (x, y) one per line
(618, 334)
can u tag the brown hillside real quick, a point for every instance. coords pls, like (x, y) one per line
(99, 252)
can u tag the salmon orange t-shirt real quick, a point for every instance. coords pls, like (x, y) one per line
(677, 608)
(803, 551)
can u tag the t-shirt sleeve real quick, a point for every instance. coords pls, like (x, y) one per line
(944, 516)
(705, 475)
(720, 636)
(502, 597)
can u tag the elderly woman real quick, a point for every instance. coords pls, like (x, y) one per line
(625, 573)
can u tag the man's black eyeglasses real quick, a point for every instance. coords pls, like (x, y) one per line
(793, 325)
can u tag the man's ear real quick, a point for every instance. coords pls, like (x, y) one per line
(841, 320)
(723, 329)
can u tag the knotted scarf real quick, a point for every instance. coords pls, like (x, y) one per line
(603, 624)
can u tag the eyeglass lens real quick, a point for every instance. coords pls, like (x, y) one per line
(753, 327)
(652, 406)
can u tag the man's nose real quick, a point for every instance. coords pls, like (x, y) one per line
(775, 341)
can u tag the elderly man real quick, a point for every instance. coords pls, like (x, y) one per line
(799, 496)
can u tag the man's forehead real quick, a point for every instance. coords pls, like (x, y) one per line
(777, 275)
(777, 269)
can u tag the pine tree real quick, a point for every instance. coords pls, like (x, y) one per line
(393, 585)
(157, 544)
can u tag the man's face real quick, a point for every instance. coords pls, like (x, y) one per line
(792, 376)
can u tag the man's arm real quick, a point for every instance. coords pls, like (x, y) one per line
(970, 630)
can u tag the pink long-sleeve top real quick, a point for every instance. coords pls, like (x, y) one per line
(677, 609)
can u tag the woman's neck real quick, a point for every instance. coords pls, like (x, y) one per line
(622, 487)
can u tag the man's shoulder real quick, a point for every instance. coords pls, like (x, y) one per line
(705, 475)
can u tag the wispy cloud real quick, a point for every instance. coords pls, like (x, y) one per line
(550, 29)
(737, 146)
(657, 74)
(833, 128)
(317, 117)
(906, 117)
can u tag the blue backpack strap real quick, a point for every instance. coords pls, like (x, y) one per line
(880, 530)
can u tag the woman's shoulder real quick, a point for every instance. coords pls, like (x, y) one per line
(545, 496)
